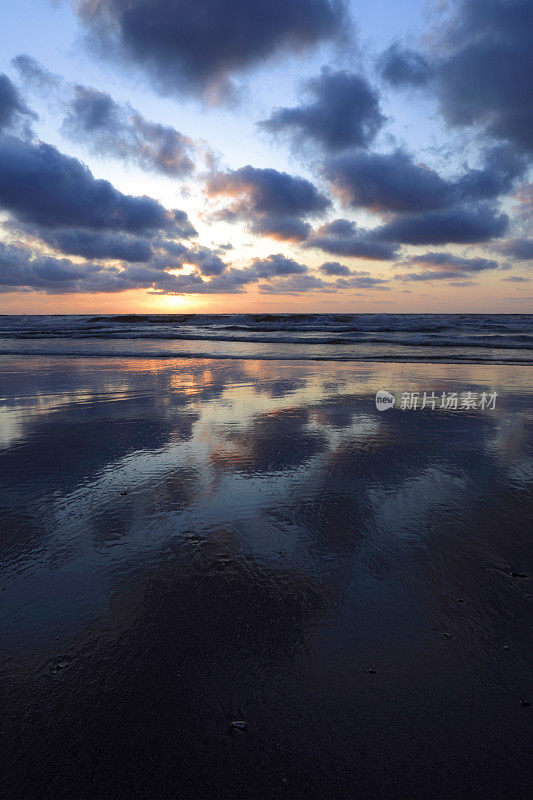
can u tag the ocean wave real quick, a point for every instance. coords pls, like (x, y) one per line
(335, 336)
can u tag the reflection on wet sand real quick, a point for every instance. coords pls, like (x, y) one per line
(186, 543)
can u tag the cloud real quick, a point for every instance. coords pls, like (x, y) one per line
(515, 279)
(461, 224)
(110, 128)
(483, 76)
(93, 244)
(445, 266)
(361, 282)
(21, 268)
(393, 182)
(120, 131)
(186, 48)
(273, 203)
(334, 268)
(386, 182)
(342, 238)
(479, 65)
(448, 260)
(276, 265)
(40, 185)
(295, 285)
(344, 111)
(13, 110)
(25, 269)
(207, 261)
(401, 66)
(521, 249)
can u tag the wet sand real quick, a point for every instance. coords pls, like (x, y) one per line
(190, 543)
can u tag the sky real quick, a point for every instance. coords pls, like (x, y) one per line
(266, 156)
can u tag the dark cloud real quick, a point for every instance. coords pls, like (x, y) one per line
(479, 67)
(119, 131)
(445, 266)
(276, 265)
(449, 261)
(295, 285)
(427, 275)
(285, 229)
(33, 73)
(515, 279)
(184, 47)
(521, 249)
(20, 268)
(342, 238)
(401, 66)
(361, 282)
(93, 244)
(40, 185)
(12, 108)
(344, 111)
(334, 268)
(393, 182)
(386, 182)
(273, 203)
(502, 166)
(110, 128)
(207, 261)
(461, 224)
(23, 269)
(484, 76)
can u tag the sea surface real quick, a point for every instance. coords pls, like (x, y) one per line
(500, 338)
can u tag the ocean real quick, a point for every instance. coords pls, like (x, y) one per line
(452, 338)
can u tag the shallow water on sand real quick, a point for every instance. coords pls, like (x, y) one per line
(186, 543)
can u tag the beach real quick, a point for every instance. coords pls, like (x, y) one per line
(190, 543)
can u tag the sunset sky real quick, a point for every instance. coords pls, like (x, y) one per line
(266, 155)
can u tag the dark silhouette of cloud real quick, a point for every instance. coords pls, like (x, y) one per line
(97, 245)
(361, 282)
(401, 66)
(184, 47)
(110, 128)
(13, 110)
(119, 131)
(335, 268)
(479, 68)
(439, 261)
(22, 268)
(276, 265)
(344, 111)
(386, 182)
(445, 266)
(515, 279)
(272, 203)
(521, 249)
(342, 238)
(393, 182)
(460, 224)
(485, 75)
(38, 184)
(295, 285)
